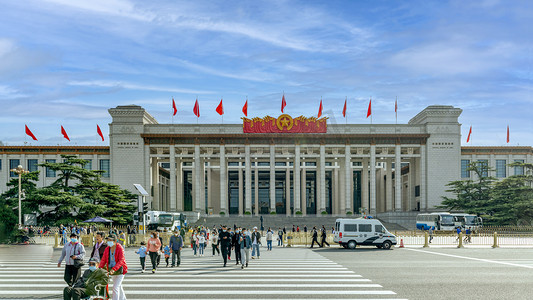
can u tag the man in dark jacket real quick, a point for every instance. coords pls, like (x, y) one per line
(225, 243)
(99, 246)
(176, 243)
(78, 290)
(324, 235)
(235, 241)
(315, 238)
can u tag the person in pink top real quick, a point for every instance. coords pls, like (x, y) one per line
(154, 244)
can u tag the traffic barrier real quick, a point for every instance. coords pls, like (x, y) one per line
(495, 244)
(426, 240)
(401, 244)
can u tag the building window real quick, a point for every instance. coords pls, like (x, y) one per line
(518, 170)
(465, 173)
(13, 164)
(0, 164)
(50, 172)
(104, 166)
(501, 165)
(263, 164)
(281, 164)
(32, 165)
(308, 163)
(484, 165)
(165, 165)
(233, 164)
(88, 164)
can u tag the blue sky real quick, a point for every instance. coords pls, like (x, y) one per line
(65, 62)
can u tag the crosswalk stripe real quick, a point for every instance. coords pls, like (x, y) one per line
(239, 292)
(137, 286)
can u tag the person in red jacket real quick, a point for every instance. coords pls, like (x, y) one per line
(114, 262)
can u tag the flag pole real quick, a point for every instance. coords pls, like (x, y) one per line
(172, 112)
(346, 118)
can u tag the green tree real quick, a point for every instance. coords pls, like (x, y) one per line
(471, 196)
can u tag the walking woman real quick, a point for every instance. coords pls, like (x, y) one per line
(201, 244)
(114, 261)
(214, 242)
(194, 242)
(154, 244)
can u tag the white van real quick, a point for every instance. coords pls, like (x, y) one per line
(367, 232)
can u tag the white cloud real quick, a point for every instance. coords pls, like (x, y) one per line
(120, 8)
(134, 86)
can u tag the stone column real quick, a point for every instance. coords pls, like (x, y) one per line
(156, 201)
(288, 191)
(388, 187)
(304, 192)
(147, 172)
(372, 179)
(172, 188)
(364, 188)
(348, 173)
(179, 185)
(272, 178)
(198, 174)
(322, 162)
(398, 178)
(241, 195)
(209, 192)
(335, 209)
(296, 186)
(223, 181)
(248, 179)
(423, 178)
(256, 190)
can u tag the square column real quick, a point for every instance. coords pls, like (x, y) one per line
(388, 187)
(272, 178)
(398, 178)
(348, 200)
(288, 191)
(296, 180)
(372, 179)
(256, 190)
(179, 185)
(304, 192)
(241, 194)
(156, 200)
(423, 178)
(223, 181)
(335, 209)
(247, 178)
(172, 188)
(198, 174)
(364, 188)
(147, 173)
(322, 163)
(209, 192)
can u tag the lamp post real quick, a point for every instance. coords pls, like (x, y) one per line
(20, 170)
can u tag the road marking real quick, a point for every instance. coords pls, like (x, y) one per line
(225, 292)
(473, 258)
(135, 287)
(144, 279)
(188, 275)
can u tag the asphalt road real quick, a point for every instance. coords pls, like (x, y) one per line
(443, 273)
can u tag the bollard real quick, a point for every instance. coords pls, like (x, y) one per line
(495, 245)
(125, 240)
(460, 240)
(289, 240)
(56, 240)
(426, 240)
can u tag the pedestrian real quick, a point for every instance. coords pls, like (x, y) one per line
(458, 229)
(114, 261)
(235, 243)
(297, 228)
(269, 236)
(142, 255)
(121, 238)
(284, 230)
(166, 252)
(176, 244)
(324, 236)
(194, 242)
(430, 232)
(315, 238)
(160, 253)
(245, 244)
(99, 246)
(305, 228)
(214, 242)
(256, 242)
(201, 244)
(154, 244)
(280, 237)
(231, 233)
(293, 229)
(79, 289)
(225, 242)
(73, 253)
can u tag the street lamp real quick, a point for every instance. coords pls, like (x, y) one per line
(20, 170)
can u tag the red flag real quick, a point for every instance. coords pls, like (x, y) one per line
(469, 133)
(283, 103)
(99, 132)
(220, 108)
(320, 109)
(64, 133)
(507, 133)
(344, 109)
(196, 109)
(28, 132)
(174, 106)
(245, 108)
(369, 112)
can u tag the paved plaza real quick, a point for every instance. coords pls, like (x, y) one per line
(30, 272)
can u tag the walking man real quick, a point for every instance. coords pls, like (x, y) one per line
(176, 243)
(280, 237)
(236, 245)
(315, 238)
(256, 242)
(72, 251)
(245, 244)
(430, 232)
(324, 236)
(225, 243)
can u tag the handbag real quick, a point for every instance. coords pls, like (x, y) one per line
(78, 262)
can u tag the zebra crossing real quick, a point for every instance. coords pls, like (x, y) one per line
(295, 273)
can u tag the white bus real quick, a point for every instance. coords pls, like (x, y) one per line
(171, 221)
(439, 221)
(468, 221)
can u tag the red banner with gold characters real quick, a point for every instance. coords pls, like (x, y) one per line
(284, 124)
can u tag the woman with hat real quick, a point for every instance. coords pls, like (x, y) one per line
(114, 262)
